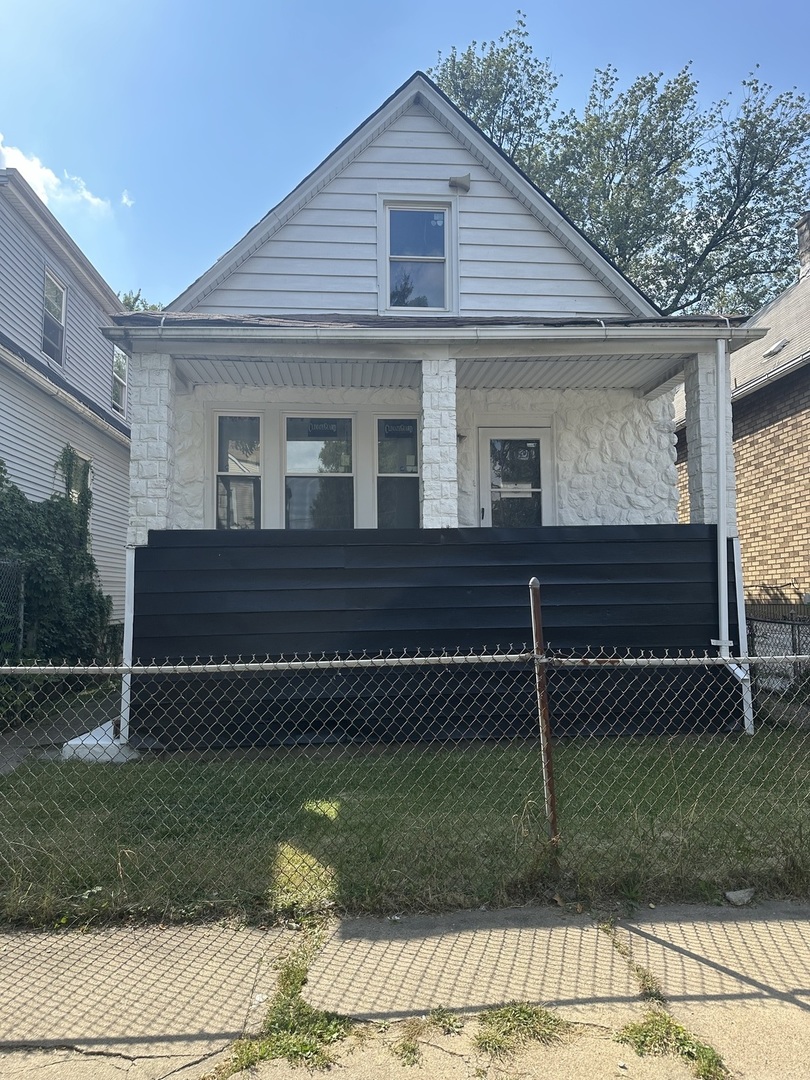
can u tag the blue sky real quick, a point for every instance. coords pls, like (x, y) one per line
(159, 132)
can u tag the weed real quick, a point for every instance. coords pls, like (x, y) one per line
(649, 987)
(658, 1034)
(407, 1048)
(503, 1031)
(292, 1029)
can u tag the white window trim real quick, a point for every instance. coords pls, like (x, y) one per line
(122, 408)
(273, 434)
(58, 282)
(315, 414)
(212, 455)
(447, 203)
(397, 415)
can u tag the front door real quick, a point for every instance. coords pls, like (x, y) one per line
(513, 471)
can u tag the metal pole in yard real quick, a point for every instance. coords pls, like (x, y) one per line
(543, 712)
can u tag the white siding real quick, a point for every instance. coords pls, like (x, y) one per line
(24, 257)
(325, 258)
(34, 429)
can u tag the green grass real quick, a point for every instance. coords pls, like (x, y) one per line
(658, 1034)
(292, 1028)
(501, 1032)
(407, 828)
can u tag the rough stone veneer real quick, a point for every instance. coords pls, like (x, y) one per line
(614, 453)
(615, 457)
(439, 445)
(189, 493)
(152, 389)
(700, 377)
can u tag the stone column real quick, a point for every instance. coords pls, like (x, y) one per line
(439, 445)
(700, 387)
(151, 388)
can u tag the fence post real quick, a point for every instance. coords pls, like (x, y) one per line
(543, 713)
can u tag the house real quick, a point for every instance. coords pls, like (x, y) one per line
(61, 381)
(770, 394)
(410, 386)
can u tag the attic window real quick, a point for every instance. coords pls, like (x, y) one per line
(775, 349)
(417, 257)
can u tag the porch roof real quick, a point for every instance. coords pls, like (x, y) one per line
(371, 351)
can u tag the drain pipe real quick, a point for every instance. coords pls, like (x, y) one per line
(723, 642)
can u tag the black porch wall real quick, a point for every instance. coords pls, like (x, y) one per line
(278, 593)
(206, 593)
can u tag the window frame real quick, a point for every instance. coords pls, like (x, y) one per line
(117, 381)
(218, 414)
(49, 276)
(273, 463)
(379, 474)
(317, 414)
(448, 205)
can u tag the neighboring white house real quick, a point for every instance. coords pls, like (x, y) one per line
(61, 381)
(416, 337)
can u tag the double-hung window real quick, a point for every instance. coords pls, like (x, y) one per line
(119, 380)
(397, 474)
(319, 473)
(417, 257)
(53, 319)
(239, 481)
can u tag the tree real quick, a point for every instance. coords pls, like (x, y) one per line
(66, 612)
(695, 203)
(133, 301)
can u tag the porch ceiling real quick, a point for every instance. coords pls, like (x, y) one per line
(646, 373)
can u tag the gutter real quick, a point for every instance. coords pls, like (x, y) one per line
(25, 371)
(689, 338)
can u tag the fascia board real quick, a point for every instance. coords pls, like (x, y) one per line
(489, 341)
(419, 90)
(303, 193)
(37, 216)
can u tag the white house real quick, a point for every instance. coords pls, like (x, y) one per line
(415, 338)
(61, 381)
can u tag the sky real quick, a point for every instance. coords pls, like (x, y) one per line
(159, 132)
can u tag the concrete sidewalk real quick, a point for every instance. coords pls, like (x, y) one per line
(152, 1003)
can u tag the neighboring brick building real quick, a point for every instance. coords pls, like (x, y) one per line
(771, 418)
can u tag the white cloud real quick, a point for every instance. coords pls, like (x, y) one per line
(126, 200)
(56, 192)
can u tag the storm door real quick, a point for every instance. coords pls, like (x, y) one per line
(514, 470)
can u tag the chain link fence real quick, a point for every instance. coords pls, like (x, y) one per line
(399, 783)
(12, 607)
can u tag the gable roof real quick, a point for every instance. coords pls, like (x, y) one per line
(39, 218)
(784, 347)
(420, 90)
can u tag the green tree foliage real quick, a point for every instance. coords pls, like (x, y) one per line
(66, 613)
(133, 301)
(695, 203)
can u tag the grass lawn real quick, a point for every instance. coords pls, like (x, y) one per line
(405, 828)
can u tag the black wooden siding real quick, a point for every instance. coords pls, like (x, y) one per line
(280, 593)
(205, 593)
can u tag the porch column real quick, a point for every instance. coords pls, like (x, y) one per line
(439, 445)
(151, 387)
(700, 387)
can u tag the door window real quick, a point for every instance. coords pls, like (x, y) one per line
(514, 494)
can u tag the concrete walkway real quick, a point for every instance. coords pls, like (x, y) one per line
(153, 1003)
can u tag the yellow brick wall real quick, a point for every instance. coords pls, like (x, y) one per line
(772, 463)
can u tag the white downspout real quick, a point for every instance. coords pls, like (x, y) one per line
(740, 671)
(723, 641)
(126, 680)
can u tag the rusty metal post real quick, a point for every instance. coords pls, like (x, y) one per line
(543, 713)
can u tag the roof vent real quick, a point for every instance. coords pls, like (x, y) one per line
(775, 349)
